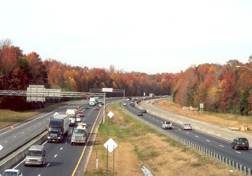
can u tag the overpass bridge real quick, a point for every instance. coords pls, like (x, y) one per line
(38, 93)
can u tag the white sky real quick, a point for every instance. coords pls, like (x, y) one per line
(133, 35)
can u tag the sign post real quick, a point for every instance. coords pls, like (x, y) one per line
(201, 108)
(110, 145)
(110, 114)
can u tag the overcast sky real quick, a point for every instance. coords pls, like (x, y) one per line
(138, 35)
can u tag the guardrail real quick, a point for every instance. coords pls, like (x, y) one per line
(19, 153)
(243, 169)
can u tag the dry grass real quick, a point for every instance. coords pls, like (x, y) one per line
(139, 145)
(221, 119)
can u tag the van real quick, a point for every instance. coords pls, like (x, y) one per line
(35, 155)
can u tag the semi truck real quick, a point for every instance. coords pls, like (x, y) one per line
(79, 134)
(58, 127)
(93, 101)
(72, 116)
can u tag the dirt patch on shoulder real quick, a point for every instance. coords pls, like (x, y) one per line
(222, 122)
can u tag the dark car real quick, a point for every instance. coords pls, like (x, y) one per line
(86, 107)
(81, 114)
(144, 110)
(240, 143)
(140, 113)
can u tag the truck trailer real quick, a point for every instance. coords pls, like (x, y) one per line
(72, 117)
(93, 101)
(58, 127)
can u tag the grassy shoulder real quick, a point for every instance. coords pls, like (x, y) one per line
(9, 117)
(140, 145)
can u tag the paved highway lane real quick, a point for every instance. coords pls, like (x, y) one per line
(25, 130)
(62, 158)
(210, 142)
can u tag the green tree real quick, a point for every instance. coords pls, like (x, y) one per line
(244, 105)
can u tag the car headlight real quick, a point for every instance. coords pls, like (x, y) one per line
(58, 137)
(48, 137)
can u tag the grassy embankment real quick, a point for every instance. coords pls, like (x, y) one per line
(140, 145)
(9, 117)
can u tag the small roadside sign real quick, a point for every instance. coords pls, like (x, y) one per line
(1, 147)
(110, 114)
(110, 145)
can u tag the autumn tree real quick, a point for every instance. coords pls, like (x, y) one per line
(38, 69)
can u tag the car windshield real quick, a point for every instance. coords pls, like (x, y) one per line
(187, 124)
(167, 122)
(54, 129)
(10, 173)
(34, 153)
(79, 131)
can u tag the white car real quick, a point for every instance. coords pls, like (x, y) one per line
(78, 118)
(12, 172)
(167, 124)
(186, 126)
(124, 104)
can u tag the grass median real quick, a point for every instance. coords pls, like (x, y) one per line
(140, 145)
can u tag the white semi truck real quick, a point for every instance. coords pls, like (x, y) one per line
(72, 117)
(93, 101)
(58, 127)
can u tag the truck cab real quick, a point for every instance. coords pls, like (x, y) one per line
(58, 128)
(79, 134)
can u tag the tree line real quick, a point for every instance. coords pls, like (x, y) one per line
(220, 87)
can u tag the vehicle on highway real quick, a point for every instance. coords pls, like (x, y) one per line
(87, 107)
(100, 105)
(144, 110)
(81, 114)
(167, 124)
(12, 172)
(132, 104)
(240, 143)
(78, 118)
(124, 104)
(72, 117)
(93, 101)
(140, 113)
(35, 156)
(97, 108)
(186, 126)
(58, 127)
(79, 134)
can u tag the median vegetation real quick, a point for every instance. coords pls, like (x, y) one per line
(140, 145)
